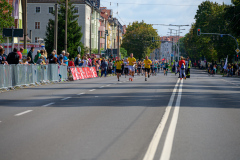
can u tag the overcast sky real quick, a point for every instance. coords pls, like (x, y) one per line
(175, 12)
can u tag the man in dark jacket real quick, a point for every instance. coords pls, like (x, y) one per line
(30, 54)
(13, 57)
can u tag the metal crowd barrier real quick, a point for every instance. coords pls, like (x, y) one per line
(20, 75)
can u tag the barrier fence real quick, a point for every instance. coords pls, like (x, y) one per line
(20, 75)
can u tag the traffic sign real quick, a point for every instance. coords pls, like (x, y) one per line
(79, 49)
(237, 50)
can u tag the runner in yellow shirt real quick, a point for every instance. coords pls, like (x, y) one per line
(131, 61)
(118, 65)
(148, 64)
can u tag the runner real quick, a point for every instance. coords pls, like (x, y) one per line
(166, 65)
(139, 66)
(182, 68)
(148, 64)
(155, 67)
(126, 68)
(158, 66)
(118, 63)
(131, 61)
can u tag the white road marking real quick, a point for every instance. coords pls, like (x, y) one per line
(96, 96)
(101, 87)
(66, 98)
(80, 94)
(22, 113)
(49, 104)
(109, 85)
(158, 133)
(92, 90)
(167, 148)
(0, 121)
(120, 82)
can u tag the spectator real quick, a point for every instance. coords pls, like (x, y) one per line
(51, 58)
(27, 61)
(30, 53)
(40, 60)
(85, 62)
(77, 60)
(13, 57)
(39, 53)
(89, 61)
(60, 61)
(97, 66)
(3, 57)
(104, 67)
(65, 59)
(20, 53)
(1, 47)
(71, 63)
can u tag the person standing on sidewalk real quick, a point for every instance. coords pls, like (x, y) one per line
(182, 65)
(13, 57)
(30, 53)
(104, 66)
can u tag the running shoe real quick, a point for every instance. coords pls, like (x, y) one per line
(118, 79)
(146, 79)
(148, 76)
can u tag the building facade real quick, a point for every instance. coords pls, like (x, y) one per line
(40, 11)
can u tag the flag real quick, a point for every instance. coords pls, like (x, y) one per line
(16, 9)
(225, 66)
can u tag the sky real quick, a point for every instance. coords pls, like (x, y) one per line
(175, 12)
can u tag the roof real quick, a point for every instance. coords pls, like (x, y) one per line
(55, 1)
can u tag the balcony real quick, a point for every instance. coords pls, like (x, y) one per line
(102, 28)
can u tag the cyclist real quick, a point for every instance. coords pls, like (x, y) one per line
(147, 63)
(132, 62)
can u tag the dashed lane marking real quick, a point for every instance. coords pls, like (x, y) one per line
(22, 113)
(92, 90)
(49, 104)
(80, 94)
(96, 96)
(101, 87)
(66, 98)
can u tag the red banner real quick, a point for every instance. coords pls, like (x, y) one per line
(85, 75)
(74, 74)
(90, 73)
(80, 73)
(94, 72)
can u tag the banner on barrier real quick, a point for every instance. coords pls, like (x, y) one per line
(89, 73)
(94, 72)
(84, 73)
(74, 74)
(80, 73)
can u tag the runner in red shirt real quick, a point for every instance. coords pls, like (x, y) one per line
(182, 67)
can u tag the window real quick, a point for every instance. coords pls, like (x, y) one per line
(37, 9)
(36, 39)
(50, 10)
(75, 9)
(37, 25)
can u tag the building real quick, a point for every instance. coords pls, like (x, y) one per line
(40, 11)
(166, 50)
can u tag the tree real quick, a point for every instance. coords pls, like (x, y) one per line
(74, 33)
(123, 52)
(6, 19)
(138, 39)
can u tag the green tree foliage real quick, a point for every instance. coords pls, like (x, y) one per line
(123, 52)
(210, 17)
(74, 33)
(6, 19)
(138, 39)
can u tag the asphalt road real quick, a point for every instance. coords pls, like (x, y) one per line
(102, 119)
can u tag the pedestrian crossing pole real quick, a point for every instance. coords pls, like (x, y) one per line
(66, 15)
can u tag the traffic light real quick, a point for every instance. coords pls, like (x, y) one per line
(237, 58)
(198, 31)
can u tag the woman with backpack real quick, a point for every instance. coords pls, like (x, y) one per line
(182, 64)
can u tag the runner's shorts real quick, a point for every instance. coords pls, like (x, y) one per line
(147, 70)
(118, 71)
(131, 68)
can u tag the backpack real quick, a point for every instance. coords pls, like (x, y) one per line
(182, 66)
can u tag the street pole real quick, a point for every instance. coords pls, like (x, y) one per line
(90, 41)
(25, 22)
(56, 27)
(178, 40)
(118, 51)
(66, 15)
(99, 42)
